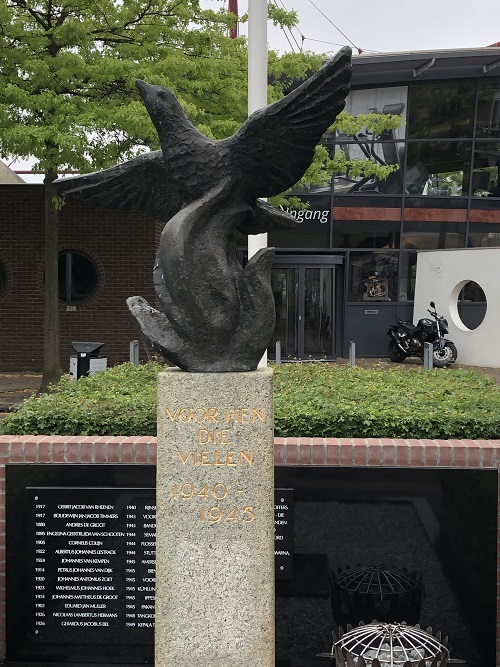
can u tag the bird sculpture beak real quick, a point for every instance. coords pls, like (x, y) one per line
(142, 87)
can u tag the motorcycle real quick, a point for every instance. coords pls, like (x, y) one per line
(407, 340)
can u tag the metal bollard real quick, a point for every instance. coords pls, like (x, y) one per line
(352, 353)
(134, 352)
(278, 352)
(428, 356)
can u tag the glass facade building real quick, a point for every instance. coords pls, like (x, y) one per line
(347, 271)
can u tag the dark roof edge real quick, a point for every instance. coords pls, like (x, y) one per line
(486, 51)
(411, 66)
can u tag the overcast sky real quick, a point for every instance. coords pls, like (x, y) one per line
(379, 26)
(389, 25)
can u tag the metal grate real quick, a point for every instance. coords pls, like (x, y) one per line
(389, 594)
(390, 645)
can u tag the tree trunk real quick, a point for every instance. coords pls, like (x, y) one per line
(51, 354)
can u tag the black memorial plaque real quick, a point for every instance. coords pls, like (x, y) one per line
(94, 555)
(84, 587)
(283, 533)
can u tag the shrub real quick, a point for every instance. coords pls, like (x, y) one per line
(401, 402)
(118, 401)
(314, 399)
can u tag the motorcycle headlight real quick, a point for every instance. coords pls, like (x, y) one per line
(445, 322)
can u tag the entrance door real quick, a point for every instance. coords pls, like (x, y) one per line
(304, 297)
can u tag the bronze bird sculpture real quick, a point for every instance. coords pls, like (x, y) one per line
(217, 316)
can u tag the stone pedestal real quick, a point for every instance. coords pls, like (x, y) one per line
(215, 520)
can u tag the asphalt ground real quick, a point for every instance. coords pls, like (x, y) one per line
(17, 387)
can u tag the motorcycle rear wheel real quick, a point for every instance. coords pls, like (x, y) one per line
(445, 357)
(395, 353)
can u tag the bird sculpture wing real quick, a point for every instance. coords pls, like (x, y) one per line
(276, 144)
(268, 154)
(141, 185)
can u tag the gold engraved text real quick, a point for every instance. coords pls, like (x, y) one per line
(215, 437)
(187, 491)
(244, 415)
(216, 515)
(211, 415)
(198, 415)
(205, 457)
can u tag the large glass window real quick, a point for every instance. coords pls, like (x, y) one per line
(408, 275)
(373, 276)
(380, 153)
(441, 110)
(380, 100)
(471, 304)
(488, 110)
(438, 169)
(484, 235)
(432, 227)
(485, 181)
(78, 277)
(380, 147)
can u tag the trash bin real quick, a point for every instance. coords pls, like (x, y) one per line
(87, 360)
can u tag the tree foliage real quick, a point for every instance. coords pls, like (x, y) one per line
(67, 71)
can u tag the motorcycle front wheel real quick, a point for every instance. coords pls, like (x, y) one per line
(395, 353)
(445, 357)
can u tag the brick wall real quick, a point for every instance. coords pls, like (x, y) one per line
(122, 247)
(288, 451)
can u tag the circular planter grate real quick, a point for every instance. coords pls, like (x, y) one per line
(390, 645)
(390, 595)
